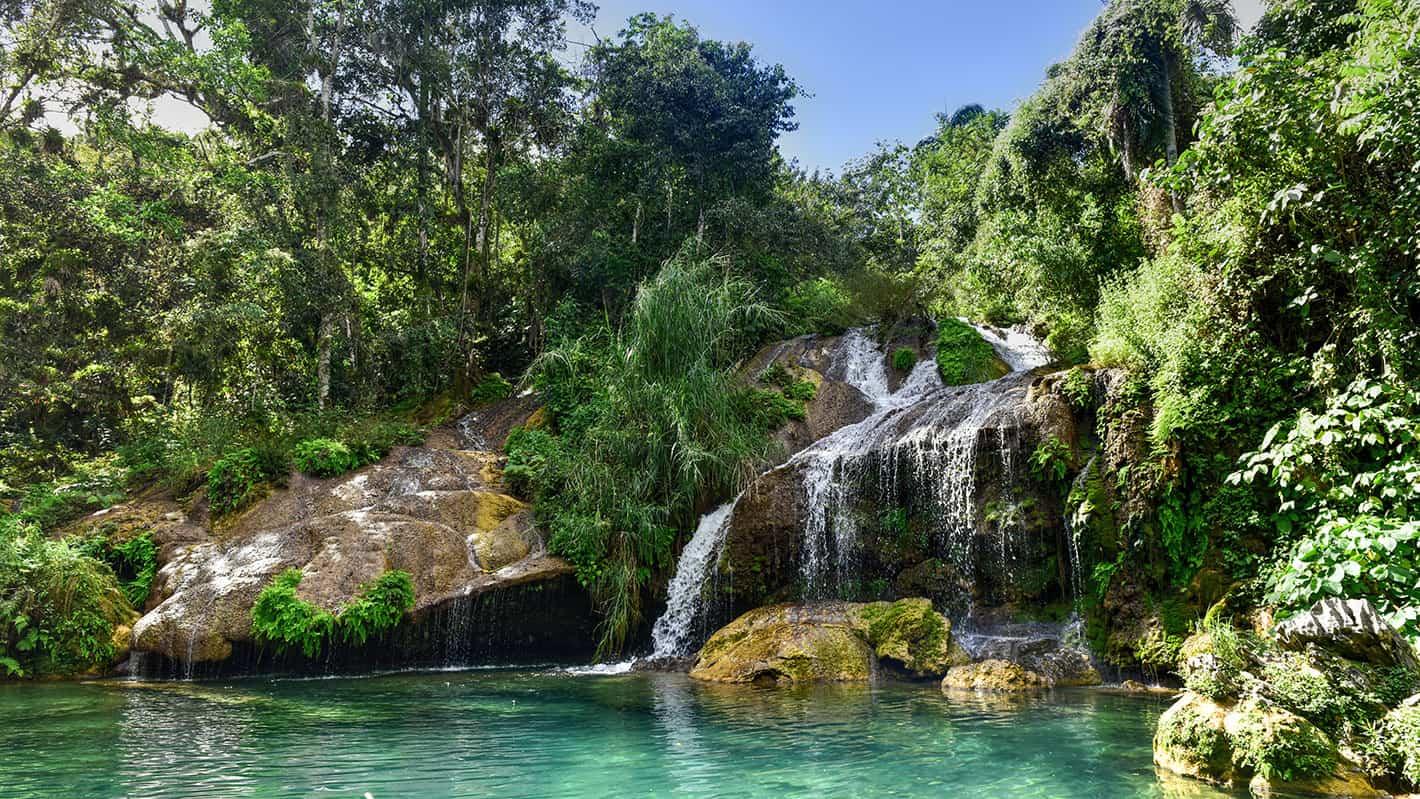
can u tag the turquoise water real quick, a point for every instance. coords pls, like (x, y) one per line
(513, 734)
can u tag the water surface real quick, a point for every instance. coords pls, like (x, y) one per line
(508, 734)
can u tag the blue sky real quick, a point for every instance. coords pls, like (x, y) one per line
(880, 70)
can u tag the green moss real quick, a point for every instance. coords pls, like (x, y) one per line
(963, 356)
(776, 375)
(903, 359)
(911, 632)
(1279, 745)
(1078, 387)
(1189, 737)
(772, 409)
(1294, 684)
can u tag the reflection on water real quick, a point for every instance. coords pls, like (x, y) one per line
(551, 734)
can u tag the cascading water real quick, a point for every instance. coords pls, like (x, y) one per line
(675, 631)
(922, 438)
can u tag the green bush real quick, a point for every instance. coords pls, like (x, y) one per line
(817, 306)
(773, 409)
(134, 562)
(236, 479)
(491, 388)
(1396, 742)
(1050, 462)
(58, 605)
(1078, 388)
(1280, 746)
(801, 390)
(530, 454)
(963, 356)
(380, 606)
(93, 485)
(283, 619)
(904, 358)
(776, 375)
(323, 457)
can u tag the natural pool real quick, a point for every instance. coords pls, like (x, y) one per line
(505, 734)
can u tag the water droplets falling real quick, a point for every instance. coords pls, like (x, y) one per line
(675, 631)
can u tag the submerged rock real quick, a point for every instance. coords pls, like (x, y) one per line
(996, 676)
(829, 642)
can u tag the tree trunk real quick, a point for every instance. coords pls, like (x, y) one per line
(1170, 126)
(323, 350)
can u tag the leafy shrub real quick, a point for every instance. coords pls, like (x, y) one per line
(1212, 660)
(1280, 746)
(817, 306)
(904, 358)
(380, 606)
(1294, 684)
(1378, 559)
(491, 388)
(1069, 337)
(530, 454)
(92, 486)
(134, 562)
(652, 422)
(1396, 742)
(323, 457)
(58, 605)
(237, 477)
(963, 356)
(281, 618)
(776, 375)
(1078, 387)
(801, 390)
(1051, 460)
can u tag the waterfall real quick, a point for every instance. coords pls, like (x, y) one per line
(675, 631)
(922, 438)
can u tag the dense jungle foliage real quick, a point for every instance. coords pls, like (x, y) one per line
(402, 202)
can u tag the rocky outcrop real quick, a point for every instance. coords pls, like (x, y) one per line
(835, 403)
(440, 514)
(829, 642)
(1350, 628)
(993, 676)
(1290, 722)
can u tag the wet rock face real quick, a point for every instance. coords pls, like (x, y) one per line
(439, 514)
(1352, 629)
(829, 642)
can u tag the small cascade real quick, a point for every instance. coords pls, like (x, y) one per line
(675, 632)
(1075, 518)
(922, 445)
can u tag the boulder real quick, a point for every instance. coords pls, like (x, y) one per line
(1348, 627)
(829, 642)
(786, 644)
(912, 633)
(1190, 740)
(993, 676)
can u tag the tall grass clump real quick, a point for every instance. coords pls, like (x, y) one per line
(652, 425)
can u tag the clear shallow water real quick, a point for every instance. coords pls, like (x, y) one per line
(512, 734)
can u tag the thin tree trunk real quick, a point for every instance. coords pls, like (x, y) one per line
(1170, 127)
(323, 350)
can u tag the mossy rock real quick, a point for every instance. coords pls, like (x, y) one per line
(786, 644)
(993, 676)
(1190, 740)
(912, 633)
(964, 357)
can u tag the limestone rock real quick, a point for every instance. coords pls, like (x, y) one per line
(993, 676)
(439, 514)
(1190, 740)
(786, 644)
(1351, 628)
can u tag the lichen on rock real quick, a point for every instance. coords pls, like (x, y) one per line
(1000, 676)
(912, 633)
